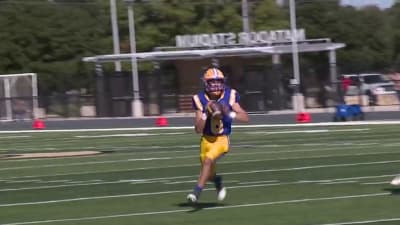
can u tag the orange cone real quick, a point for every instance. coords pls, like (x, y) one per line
(38, 124)
(161, 121)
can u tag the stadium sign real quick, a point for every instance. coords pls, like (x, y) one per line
(243, 38)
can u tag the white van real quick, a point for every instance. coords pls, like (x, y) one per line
(369, 84)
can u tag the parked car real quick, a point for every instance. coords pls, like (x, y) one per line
(370, 84)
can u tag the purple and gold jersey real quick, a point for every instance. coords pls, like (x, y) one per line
(215, 127)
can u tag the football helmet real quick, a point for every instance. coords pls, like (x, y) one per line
(214, 81)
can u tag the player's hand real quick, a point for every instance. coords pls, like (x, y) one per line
(226, 109)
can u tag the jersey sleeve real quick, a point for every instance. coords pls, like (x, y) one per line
(196, 103)
(234, 97)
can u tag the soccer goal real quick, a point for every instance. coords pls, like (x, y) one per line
(18, 96)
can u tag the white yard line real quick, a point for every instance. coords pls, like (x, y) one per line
(338, 182)
(15, 136)
(259, 182)
(181, 191)
(22, 181)
(294, 201)
(128, 135)
(363, 222)
(305, 131)
(374, 183)
(226, 173)
(313, 167)
(232, 153)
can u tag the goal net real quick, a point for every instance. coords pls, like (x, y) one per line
(18, 96)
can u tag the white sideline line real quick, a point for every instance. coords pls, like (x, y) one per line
(363, 222)
(349, 123)
(210, 208)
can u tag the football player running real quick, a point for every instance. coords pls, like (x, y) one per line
(215, 131)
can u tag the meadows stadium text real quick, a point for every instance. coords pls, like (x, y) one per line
(243, 38)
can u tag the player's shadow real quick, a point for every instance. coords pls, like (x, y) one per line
(393, 191)
(200, 205)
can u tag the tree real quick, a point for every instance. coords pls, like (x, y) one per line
(268, 16)
(366, 33)
(50, 38)
(394, 16)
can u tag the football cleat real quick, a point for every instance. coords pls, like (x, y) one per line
(192, 198)
(396, 181)
(221, 194)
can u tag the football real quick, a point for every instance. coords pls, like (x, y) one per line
(214, 109)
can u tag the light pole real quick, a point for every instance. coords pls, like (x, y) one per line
(137, 106)
(245, 16)
(115, 33)
(297, 98)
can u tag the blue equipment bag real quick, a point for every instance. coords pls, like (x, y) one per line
(346, 112)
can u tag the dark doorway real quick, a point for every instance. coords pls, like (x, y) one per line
(254, 86)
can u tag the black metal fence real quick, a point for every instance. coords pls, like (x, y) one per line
(260, 92)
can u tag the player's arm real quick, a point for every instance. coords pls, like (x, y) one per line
(239, 113)
(200, 121)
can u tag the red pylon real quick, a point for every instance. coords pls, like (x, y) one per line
(38, 124)
(303, 117)
(161, 121)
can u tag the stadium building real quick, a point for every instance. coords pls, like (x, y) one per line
(255, 63)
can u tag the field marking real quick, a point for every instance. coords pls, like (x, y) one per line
(185, 191)
(189, 176)
(183, 182)
(374, 183)
(331, 148)
(338, 182)
(194, 181)
(259, 182)
(354, 146)
(53, 181)
(186, 147)
(363, 222)
(210, 208)
(311, 167)
(15, 136)
(127, 135)
(21, 181)
(348, 123)
(86, 163)
(305, 131)
(191, 165)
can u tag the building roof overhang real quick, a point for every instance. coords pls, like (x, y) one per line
(160, 55)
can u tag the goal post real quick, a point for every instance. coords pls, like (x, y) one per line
(18, 96)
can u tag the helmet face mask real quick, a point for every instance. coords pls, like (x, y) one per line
(215, 85)
(214, 81)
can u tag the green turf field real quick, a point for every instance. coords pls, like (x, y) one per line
(274, 175)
